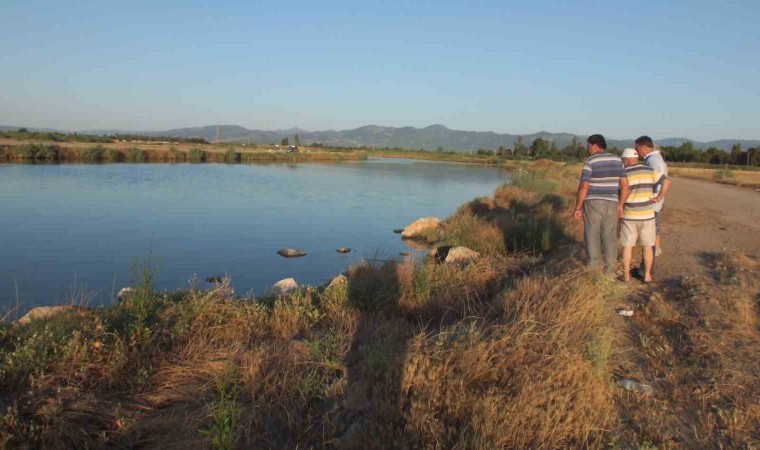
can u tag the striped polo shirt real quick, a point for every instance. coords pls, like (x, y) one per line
(602, 171)
(639, 204)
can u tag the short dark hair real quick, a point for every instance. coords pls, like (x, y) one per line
(597, 139)
(646, 141)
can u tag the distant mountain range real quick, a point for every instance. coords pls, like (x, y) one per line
(428, 138)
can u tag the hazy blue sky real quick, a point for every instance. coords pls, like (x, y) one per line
(620, 68)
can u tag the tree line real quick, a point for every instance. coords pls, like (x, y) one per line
(543, 148)
(25, 134)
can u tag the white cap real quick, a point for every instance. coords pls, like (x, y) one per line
(629, 153)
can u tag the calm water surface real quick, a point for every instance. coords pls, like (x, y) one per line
(66, 228)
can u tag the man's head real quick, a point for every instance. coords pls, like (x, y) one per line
(596, 144)
(644, 145)
(630, 157)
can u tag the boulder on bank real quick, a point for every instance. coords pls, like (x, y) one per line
(285, 287)
(125, 294)
(419, 226)
(439, 254)
(461, 256)
(291, 253)
(337, 281)
(44, 312)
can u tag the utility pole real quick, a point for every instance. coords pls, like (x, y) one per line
(217, 133)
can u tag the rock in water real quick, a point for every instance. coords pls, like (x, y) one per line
(404, 253)
(216, 279)
(343, 250)
(398, 230)
(291, 253)
(285, 287)
(419, 226)
(461, 256)
(44, 312)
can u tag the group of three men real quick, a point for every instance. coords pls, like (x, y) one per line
(621, 189)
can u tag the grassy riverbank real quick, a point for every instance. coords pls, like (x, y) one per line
(25, 152)
(521, 349)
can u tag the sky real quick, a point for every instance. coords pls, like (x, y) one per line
(666, 69)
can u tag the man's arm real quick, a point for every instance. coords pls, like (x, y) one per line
(580, 198)
(663, 191)
(625, 189)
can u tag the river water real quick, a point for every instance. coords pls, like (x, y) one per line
(74, 230)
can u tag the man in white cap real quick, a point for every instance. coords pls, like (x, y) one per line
(636, 207)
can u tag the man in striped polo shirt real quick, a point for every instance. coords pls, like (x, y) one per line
(597, 202)
(637, 207)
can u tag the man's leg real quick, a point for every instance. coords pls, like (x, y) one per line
(609, 236)
(648, 237)
(592, 222)
(658, 230)
(655, 246)
(628, 234)
(627, 253)
(648, 260)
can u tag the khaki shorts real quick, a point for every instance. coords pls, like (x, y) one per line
(641, 230)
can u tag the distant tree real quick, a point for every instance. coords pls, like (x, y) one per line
(285, 142)
(23, 130)
(553, 152)
(439, 150)
(520, 148)
(539, 147)
(298, 140)
(753, 155)
(736, 153)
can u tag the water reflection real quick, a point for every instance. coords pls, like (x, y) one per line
(86, 222)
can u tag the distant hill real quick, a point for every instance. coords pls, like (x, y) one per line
(428, 138)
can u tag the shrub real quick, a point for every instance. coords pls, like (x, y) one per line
(722, 174)
(231, 156)
(197, 155)
(177, 155)
(535, 181)
(93, 154)
(113, 155)
(37, 152)
(135, 155)
(48, 153)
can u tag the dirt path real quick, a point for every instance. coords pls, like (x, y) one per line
(702, 217)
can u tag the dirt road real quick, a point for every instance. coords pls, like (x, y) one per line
(702, 217)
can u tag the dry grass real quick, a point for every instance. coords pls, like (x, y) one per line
(742, 178)
(507, 352)
(698, 346)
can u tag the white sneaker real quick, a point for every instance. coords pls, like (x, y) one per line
(657, 251)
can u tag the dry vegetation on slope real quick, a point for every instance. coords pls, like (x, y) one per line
(521, 349)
